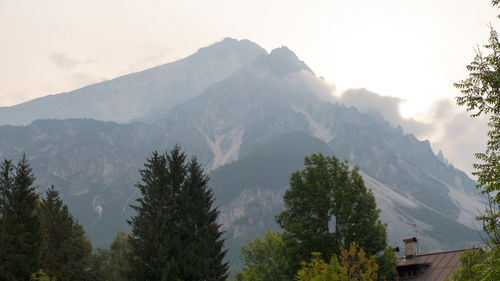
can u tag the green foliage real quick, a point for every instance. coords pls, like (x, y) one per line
(20, 233)
(99, 265)
(352, 265)
(121, 252)
(41, 276)
(65, 248)
(387, 262)
(491, 265)
(470, 270)
(357, 264)
(265, 259)
(202, 241)
(151, 227)
(175, 235)
(114, 263)
(479, 265)
(481, 96)
(328, 206)
(319, 270)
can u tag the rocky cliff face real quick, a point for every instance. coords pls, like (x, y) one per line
(251, 124)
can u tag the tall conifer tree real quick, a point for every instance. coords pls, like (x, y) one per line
(20, 234)
(175, 235)
(150, 227)
(66, 250)
(204, 258)
(5, 188)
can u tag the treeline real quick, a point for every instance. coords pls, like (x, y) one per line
(174, 236)
(38, 235)
(331, 230)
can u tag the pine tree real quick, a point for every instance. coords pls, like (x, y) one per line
(204, 256)
(20, 232)
(150, 227)
(5, 188)
(5, 184)
(175, 235)
(65, 249)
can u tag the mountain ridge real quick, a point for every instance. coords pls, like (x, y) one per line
(141, 95)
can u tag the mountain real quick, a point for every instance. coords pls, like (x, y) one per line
(251, 130)
(144, 95)
(257, 100)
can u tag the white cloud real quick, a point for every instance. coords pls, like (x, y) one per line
(457, 134)
(64, 61)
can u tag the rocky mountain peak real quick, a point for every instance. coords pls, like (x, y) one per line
(281, 61)
(284, 52)
(230, 46)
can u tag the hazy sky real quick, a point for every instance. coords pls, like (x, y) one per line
(410, 49)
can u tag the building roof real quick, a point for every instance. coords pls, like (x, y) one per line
(433, 266)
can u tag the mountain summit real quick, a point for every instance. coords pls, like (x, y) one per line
(281, 61)
(143, 95)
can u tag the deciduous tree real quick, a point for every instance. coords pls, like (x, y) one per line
(353, 265)
(41, 276)
(481, 96)
(387, 262)
(327, 207)
(113, 263)
(265, 259)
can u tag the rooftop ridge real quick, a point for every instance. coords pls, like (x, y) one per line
(444, 252)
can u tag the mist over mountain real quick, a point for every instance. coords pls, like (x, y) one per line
(449, 128)
(142, 95)
(250, 123)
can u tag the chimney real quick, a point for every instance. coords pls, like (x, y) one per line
(410, 247)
